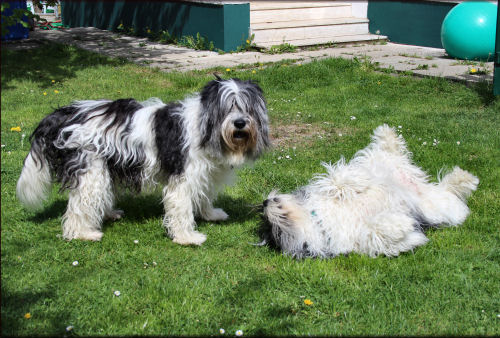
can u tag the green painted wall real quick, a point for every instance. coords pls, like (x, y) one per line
(410, 22)
(226, 26)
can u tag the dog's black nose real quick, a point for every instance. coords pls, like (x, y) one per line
(239, 123)
(266, 202)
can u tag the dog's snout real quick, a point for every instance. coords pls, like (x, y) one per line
(240, 123)
(266, 202)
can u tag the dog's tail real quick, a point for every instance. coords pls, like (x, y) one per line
(34, 185)
(460, 182)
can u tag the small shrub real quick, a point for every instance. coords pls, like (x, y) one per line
(283, 48)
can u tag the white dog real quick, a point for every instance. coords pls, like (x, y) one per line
(191, 148)
(378, 203)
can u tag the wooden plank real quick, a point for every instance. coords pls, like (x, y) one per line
(299, 14)
(307, 23)
(296, 33)
(264, 5)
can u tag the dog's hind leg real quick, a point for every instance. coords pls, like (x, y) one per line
(388, 140)
(179, 213)
(89, 203)
(390, 234)
(446, 201)
(459, 182)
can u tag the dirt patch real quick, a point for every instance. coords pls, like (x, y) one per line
(294, 135)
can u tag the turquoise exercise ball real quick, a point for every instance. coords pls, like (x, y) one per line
(468, 30)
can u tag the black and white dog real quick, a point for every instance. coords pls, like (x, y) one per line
(191, 148)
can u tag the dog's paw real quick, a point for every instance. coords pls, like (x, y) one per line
(192, 238)
(215, 215)
(115, 215)
(86, 236)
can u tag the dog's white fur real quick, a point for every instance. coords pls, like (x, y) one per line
(378, 203)
(99, 139)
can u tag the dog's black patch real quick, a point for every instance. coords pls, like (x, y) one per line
(265, 233)
(68, 164)
(64, 163)
(170, 139)
(212, 114)
(125, 172)
(121, 111)
(421, 223)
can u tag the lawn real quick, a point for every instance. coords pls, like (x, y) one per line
(319, 111)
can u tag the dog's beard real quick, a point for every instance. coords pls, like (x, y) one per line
(239, 142)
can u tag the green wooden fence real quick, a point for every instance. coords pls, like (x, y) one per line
(226, 25)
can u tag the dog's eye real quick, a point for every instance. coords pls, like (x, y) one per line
(280, 206)
(276, 199)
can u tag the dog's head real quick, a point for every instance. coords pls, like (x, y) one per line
(285, 224)
(233, 119)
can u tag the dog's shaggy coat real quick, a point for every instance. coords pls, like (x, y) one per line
(190, 147)
(378, 203)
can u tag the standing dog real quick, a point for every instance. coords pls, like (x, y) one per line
(190, 147)
(378, 203)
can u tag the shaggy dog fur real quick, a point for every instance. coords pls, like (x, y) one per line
(191, 148)
(378, 203)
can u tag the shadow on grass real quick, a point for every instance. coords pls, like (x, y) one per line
(50, 61)
(485, 92)
(15, 305)
(141, 208)
(54, 210)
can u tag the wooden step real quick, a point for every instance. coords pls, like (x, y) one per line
(268, 4)
(293, 14)
(344, 39)
(307, 23)
(311, 31)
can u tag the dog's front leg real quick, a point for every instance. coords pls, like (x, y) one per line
(179, 214)
(218, 179)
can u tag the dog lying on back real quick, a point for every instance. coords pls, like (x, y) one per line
(191, 148)
(377, 204)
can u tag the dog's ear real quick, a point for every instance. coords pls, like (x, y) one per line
(217, 77)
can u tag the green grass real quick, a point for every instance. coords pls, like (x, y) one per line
(447, 287)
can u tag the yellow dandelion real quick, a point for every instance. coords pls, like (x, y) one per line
(228, 69)
(379, 82)
(53, 81)
(253, 72)
(248, 41)
(308, 302)
(473, 70)
(18, 129)
(27, 315)
(149, 31)
(45, 93)
(56, 91)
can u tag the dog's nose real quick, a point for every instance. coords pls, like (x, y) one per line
(239, 123)
(266, 202)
